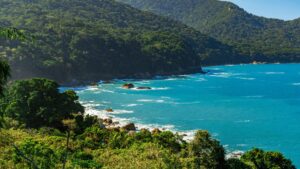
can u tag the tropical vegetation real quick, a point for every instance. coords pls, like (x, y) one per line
(89, 40)
(44, 128)
(258, 38)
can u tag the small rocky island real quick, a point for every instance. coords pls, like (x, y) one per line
(131, 86)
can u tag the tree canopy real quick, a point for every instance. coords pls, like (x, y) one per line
(259, 38)
(38, 102)
(99, 39)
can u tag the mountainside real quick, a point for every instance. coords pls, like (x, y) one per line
(263, 39)
(102, 39)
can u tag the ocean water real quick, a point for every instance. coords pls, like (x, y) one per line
(243, 106)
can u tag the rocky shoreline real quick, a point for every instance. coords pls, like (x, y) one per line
(137, 76)
(110, 124)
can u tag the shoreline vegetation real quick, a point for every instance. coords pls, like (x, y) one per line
(44, 128)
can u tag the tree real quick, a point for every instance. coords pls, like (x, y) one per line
(37, 102)
(237, 164)
(260, 159)
(13, 34)
(208, 152)
(4, 75)
(35, 155)
(9, 33)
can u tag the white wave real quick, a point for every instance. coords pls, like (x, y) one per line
(187, 103)
(107, 91)
(234, 154)
(105, 102)
(92, 104)
(131, 105)
(215, 68)
(171, 79)
(243, 121)
(241, 145)
(296, 84)
(92, 88)
(99, 113)
(200, 80)
(254, 96)
(274, 73)
(225, 74)
(187, 135)
(121, 112)
(215, 134)
(143, 82)
(246, 78)
(151, 101)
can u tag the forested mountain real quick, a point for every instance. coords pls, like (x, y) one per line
(263, 39)
(98, 39)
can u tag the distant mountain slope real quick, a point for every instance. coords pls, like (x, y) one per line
(98, 39)
(262, 38)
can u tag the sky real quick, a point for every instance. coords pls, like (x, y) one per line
(281, 9)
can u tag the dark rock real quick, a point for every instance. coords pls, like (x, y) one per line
(144, 88)
(107, 121)
(107, 82)
(110, 110)
(94, 84)
(129, 127)
(128, 86)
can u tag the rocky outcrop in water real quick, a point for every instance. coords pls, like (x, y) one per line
(128, 86)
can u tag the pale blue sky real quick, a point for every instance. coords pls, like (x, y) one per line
(281, 9)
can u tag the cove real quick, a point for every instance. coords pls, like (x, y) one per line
(243, 106)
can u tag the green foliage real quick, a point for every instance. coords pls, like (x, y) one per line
(260, 159)
(237, 164)
(261, 39)
(38, 102)
(34, 155)
(12, 34)
(100, 39)
(84, 160)
(208, 152)
(4, 75)
(45, 148)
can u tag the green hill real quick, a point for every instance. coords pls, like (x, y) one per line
(263, 39)
(100, 39)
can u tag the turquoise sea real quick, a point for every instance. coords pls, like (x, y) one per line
(243, 106)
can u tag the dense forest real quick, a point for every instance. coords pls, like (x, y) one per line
(262, 39)
(101, 39)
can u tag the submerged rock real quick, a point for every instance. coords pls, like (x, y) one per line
(144, 88)
(128, 86)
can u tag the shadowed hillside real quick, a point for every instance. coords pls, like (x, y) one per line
(102, 39)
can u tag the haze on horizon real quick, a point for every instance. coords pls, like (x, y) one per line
(280, 9)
